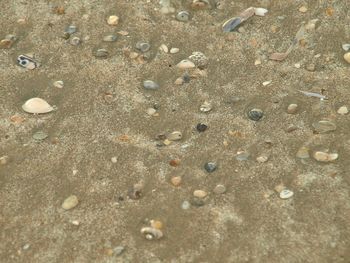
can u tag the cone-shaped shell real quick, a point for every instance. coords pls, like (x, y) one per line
(36, 106)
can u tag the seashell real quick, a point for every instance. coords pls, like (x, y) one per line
(255, 114)
(40, 135)
(324, 126)
(110, 38)
(199, 59)
(285, 194)
(151, 233)
(101, 53)
(205, 107)
(346, 47)
(278, 56)
(183, 16)
(143, 46)
(135, 192)
(325, 157)
(37, 106)
(70, 29)
(260, 11)
(174, 136)
(231, 24)
(164, 48)
(198, 4)
(58, 84)
(75, 41)
(200, 193)
(26, 62)
(185, 64)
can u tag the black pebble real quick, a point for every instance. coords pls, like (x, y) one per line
(201, 127)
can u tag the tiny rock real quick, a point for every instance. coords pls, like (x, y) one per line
(70, 202)
(151, 111)
(343, 110)
(150, 85)
(114, 159)
(292, 108)
(200, 193)
(219, 189)
(113, 20)
(174, 50)
(176, 180)
(58, 84)
(210, 167)
(303, 9)
(347, 57)
(4, 160)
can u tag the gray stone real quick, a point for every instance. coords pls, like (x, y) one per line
(150, 85)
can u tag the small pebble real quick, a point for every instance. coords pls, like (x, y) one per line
(26, 247)
(75, 222)
(183, 16)
(175, 162)
(347, 57)
(185, 205)
(265, 83)
(176, 180)
(58, 84)
(262, 159)
(297, 65)
(101, 53)
(75, 41)
(143, 46)
(174, 136)
(219, 189)
(285, 194)
(242, 156)
(179, 81)
(210, 167)
(113, 20)
(343, 110)
(114, 159)
(311, 67)
(196, 201)
(324, 126)
(200, 193)
(255, 114)
(151, 111)
(303, 9)
(174, 50)
(150, 85)
(346, 47)
(118, 250)
(292, 108)
(201, 127)
(4, 160)
(110, 38)
(40, 135)
(70, 29)
(70, 202)
(325, 157)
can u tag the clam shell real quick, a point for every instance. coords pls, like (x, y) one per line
(231, 24)
(36, 106)
(151, 233)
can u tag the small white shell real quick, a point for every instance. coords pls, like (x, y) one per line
(285, 194)
(325, 157)
(36, 106)
(260, 11)
(185, 64)
(346, 47)
(151, 233)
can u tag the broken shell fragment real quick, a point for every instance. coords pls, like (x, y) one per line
(37, 106)
(260, 11)
(151, 233)
(205, 107)
(26, 62)
(174, 136)
(185, 64)
(231, 24)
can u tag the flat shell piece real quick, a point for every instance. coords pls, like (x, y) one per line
(260, 11)
(285, 194)
(37, 106)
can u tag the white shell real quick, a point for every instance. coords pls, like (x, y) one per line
(325, 157)
(36, 106)
(260, 11)
(346, 47)
(185, 64)
(151, 233)
(285, 194)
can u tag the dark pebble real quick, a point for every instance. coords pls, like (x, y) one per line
(201, 127)
(210, 167)
(255, 114)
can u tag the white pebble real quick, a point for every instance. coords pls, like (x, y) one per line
(174, 50)
(164, 48)
(70, 202)
(114, 159)
(265, 83)
(260, 11)
(113, 20)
